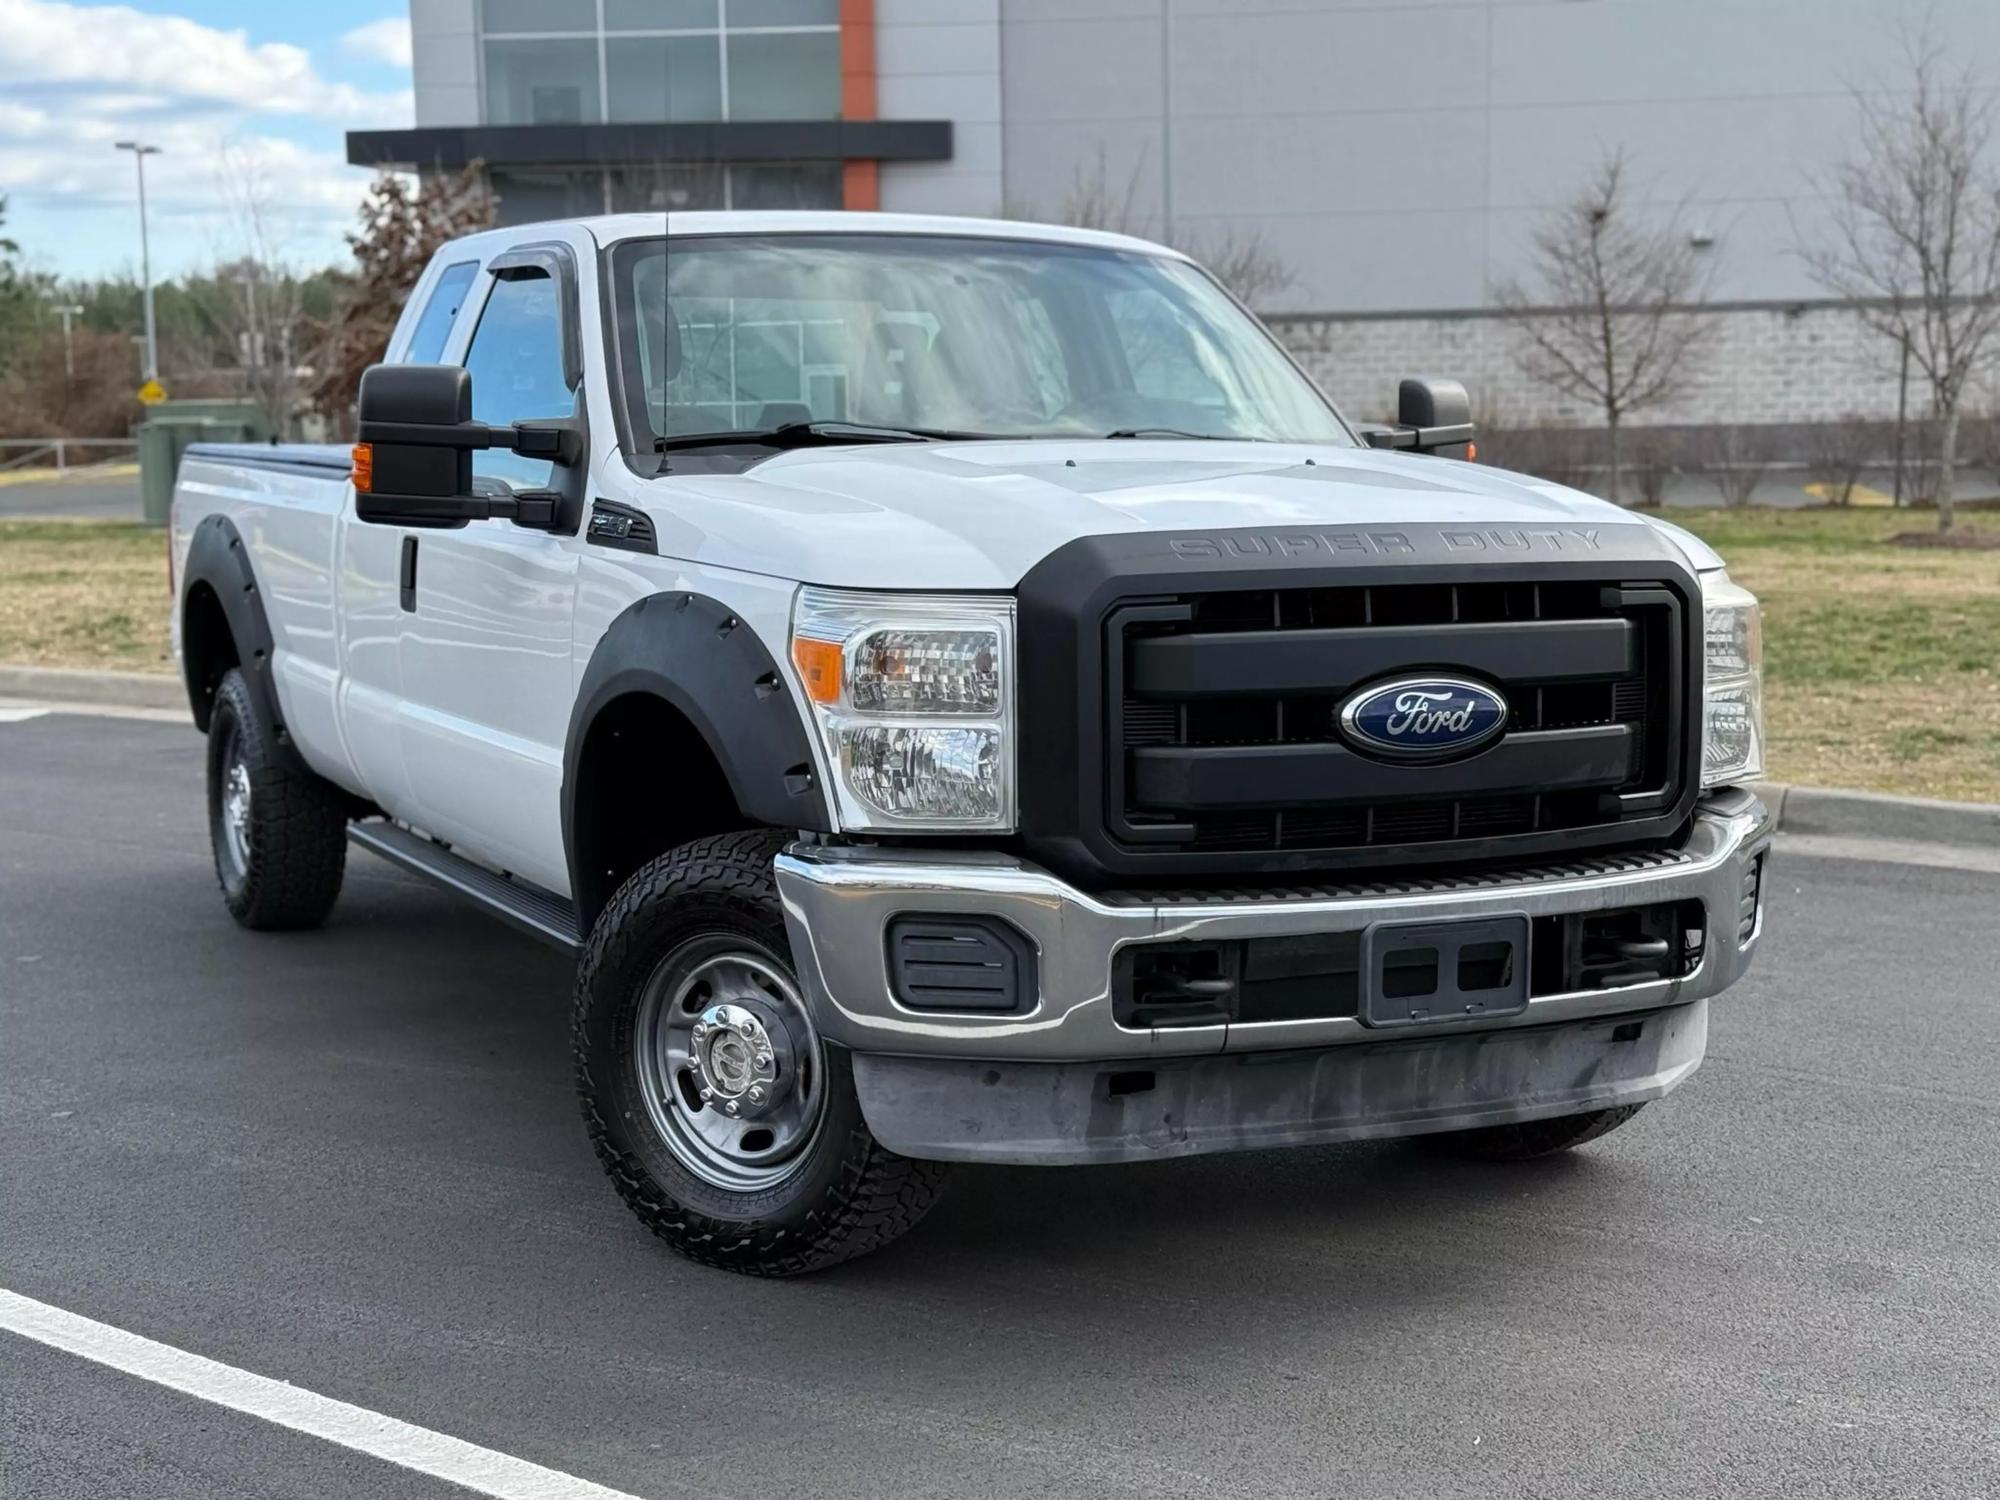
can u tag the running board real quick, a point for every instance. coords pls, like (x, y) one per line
(538, 913)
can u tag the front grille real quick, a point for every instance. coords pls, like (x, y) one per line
(1222, 713)
(1317, 976)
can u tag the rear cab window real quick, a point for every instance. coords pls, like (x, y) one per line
(433, 330)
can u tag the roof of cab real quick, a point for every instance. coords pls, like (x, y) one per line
(609, 228)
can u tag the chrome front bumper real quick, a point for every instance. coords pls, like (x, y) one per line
(839, 900)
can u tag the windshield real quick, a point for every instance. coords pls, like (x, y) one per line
(993, 337)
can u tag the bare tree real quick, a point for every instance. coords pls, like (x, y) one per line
(1557, 454)
(1242, 261)
(249, 313)
(403, 223)
(1610, 314)
(1913, 239)
(1839, 453)
(1653, 468)
(1735, 460)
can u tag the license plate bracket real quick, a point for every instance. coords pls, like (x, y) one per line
(1423, 973)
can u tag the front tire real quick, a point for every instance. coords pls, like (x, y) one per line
(278, 832)
(1531, 1139)
(725, 1122)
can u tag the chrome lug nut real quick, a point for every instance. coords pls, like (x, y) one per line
(732, 1107)
(757, 1094)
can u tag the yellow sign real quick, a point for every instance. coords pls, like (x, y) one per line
(152, 393)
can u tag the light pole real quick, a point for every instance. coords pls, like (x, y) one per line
(139, 154)
(66, 312)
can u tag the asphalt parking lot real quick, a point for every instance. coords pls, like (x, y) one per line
(351, 1160)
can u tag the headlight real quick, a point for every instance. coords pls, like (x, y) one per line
(1732, 739)
(914, 699)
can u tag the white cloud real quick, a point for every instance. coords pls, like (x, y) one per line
(75, 79)
(50, 45)
(383, 41)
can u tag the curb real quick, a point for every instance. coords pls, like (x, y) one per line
(105, 689)
(1831, 813)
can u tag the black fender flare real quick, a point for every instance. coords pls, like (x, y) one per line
(218, 557)
(698, 656)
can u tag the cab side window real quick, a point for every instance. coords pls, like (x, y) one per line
(516, 363)
(433, 330)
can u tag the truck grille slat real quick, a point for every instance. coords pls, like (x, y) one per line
(1225, 729)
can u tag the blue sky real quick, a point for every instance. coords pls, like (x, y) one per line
(250, 101)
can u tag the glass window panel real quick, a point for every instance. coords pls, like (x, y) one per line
(517, 372)
(541, 83)
(783, 13)
(433, 329)
(1024, 339)
(664, 78)
(658, 189)
(1161, 355)
(659, 15)
(784, 75)
(528, 197)
(538, 15)
(810, 184)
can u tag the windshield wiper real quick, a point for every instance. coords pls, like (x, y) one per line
(810, 434)
(1174, 432)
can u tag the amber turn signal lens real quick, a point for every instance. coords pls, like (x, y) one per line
(819, 668)
(1472, 453)
(363, 475)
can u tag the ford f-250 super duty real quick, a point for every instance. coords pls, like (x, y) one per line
(966, 696)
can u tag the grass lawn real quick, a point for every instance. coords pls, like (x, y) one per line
(84, 594)
(1882, 663)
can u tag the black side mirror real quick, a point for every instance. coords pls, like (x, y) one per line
(1432, 416)
(413, 463)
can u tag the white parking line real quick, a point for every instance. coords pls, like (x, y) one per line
(478, 1469)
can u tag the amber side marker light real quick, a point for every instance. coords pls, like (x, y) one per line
(1472, 453)
(819, 668)
(363, 473)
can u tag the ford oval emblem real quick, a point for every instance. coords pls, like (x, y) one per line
(1418, 718)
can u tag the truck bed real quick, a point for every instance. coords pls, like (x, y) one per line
(320, 458)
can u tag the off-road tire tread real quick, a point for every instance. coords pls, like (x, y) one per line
(877, 1196)
(1532, 1138)
(298, 827)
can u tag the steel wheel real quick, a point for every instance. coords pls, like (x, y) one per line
(728, 1062)
(235, 809)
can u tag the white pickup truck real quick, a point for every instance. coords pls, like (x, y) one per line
(967, 696)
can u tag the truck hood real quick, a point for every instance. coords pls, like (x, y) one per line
(980, 515)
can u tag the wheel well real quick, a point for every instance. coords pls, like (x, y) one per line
(208, 649)
(646, 782)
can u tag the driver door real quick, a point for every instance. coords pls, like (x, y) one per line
(486, 632)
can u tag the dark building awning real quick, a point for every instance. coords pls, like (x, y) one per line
(450, 146)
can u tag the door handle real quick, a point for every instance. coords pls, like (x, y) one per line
(409, 575)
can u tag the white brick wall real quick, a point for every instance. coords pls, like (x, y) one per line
(1761, 365)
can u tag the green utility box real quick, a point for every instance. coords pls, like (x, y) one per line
(172, 426)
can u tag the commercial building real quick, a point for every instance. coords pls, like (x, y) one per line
(1394, 155)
